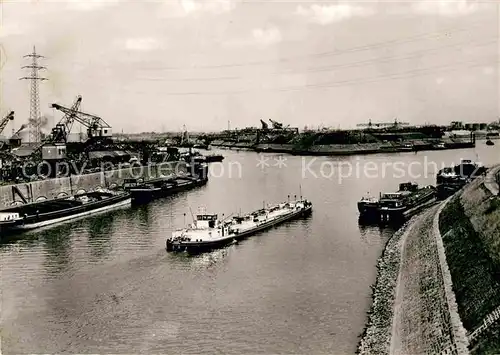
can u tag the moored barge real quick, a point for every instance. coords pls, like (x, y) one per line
(47, 212)
(208, 232)
(396, 206)
(451, 179)
(410, 199)
(148, 191)
(145, 191)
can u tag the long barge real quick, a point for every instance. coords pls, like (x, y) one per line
(147, 192)
(208, 232)
(396, 206)
(43, 213)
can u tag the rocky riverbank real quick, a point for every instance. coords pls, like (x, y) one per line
(376, 337)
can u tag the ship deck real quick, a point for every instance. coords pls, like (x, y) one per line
(248, 224)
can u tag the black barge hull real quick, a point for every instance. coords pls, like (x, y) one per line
(48, 212)
(142, 194)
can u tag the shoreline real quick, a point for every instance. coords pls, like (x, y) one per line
(338, 150)
(376, 336)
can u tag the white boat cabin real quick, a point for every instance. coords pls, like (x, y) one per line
(8, 216)
(206, 221)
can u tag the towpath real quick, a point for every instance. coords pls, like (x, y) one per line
(425, 319)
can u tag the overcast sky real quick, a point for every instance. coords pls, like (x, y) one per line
(157, 65)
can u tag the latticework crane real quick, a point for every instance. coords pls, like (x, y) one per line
(6, 120)
(96, 126)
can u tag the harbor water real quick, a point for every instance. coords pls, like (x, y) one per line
(105, 284)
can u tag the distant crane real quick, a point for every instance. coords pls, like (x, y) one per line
(395, 124)
(6, 120)
(276, 125)
(264, 125)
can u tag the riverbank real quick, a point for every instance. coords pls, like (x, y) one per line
(438, 286)
(470, 225)
(348, 149)
(376, 337)
(413, 307)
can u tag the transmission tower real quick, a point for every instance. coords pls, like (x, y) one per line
(35, 120)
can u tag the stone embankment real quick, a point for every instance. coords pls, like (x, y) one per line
(414, 309)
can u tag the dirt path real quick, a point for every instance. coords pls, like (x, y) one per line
(421, 322)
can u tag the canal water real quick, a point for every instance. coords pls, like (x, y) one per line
(106, 285)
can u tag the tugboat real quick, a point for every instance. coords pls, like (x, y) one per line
(208, 232)
(368, 207)
(408, 200)
(489, 142)
(43, 213)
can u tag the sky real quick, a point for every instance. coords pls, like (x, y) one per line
(209, 64)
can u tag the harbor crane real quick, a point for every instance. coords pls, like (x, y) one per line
(265, 126)
(276, 125)
(6, 120)
(63, 128)
(96, 126)
(395, 124)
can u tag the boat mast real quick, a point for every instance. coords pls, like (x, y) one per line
(300, 191)
(192, 216)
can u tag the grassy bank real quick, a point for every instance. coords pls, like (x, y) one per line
(470, 228)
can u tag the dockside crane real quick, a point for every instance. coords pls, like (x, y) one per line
(6, 120)
(265, 126)
(276, 125)
(63, 128)
(96, 126)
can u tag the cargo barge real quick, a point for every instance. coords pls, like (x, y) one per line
(396, 206)
(208, 232)
(144, 192)
(451, 179)
(43, 213)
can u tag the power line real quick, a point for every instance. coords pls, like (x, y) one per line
(410, 55)
(442, 33)
(402, 75)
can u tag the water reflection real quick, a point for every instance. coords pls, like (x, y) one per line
(99, 235)
(370, 232)
(57, 244)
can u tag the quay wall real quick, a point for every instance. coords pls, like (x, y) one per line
(59, 187)
(470, 226)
